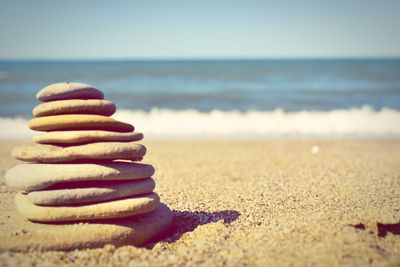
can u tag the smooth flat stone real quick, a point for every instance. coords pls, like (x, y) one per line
(79, 122)
(82, 137)
(89, 152)
(19, 234)
(33, 177)
(104, 210)
(75, 106)
(68, 90)
(92, 192)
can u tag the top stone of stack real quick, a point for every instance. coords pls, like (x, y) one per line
(68, 90)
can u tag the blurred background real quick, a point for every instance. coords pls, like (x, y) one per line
(211, 69)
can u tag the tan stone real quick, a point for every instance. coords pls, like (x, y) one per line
(33, 177)
(91, 192)
(19, 234)
(79, 122)
(89, 152)
(75, 106)
(104, 210)
(82, 137)
(68, 90)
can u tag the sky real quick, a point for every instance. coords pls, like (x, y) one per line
(178, 29)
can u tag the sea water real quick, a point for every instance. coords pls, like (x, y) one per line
(222, 98)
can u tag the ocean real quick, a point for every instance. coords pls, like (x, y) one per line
(344, 98)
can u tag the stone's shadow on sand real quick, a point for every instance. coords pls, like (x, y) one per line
(187, 221)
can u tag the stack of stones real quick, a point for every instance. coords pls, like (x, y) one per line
(83, 168)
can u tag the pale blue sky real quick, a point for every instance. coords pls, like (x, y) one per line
(49, 29)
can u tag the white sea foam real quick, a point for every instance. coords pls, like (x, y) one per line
(177, 124)
(15, 128)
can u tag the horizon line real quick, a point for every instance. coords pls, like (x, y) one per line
(203, 58)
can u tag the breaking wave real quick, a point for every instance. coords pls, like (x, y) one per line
(157, 123)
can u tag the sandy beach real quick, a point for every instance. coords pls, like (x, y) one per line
(259, 203)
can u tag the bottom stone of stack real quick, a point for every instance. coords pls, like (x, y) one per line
(19, 234)
(104, 210)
